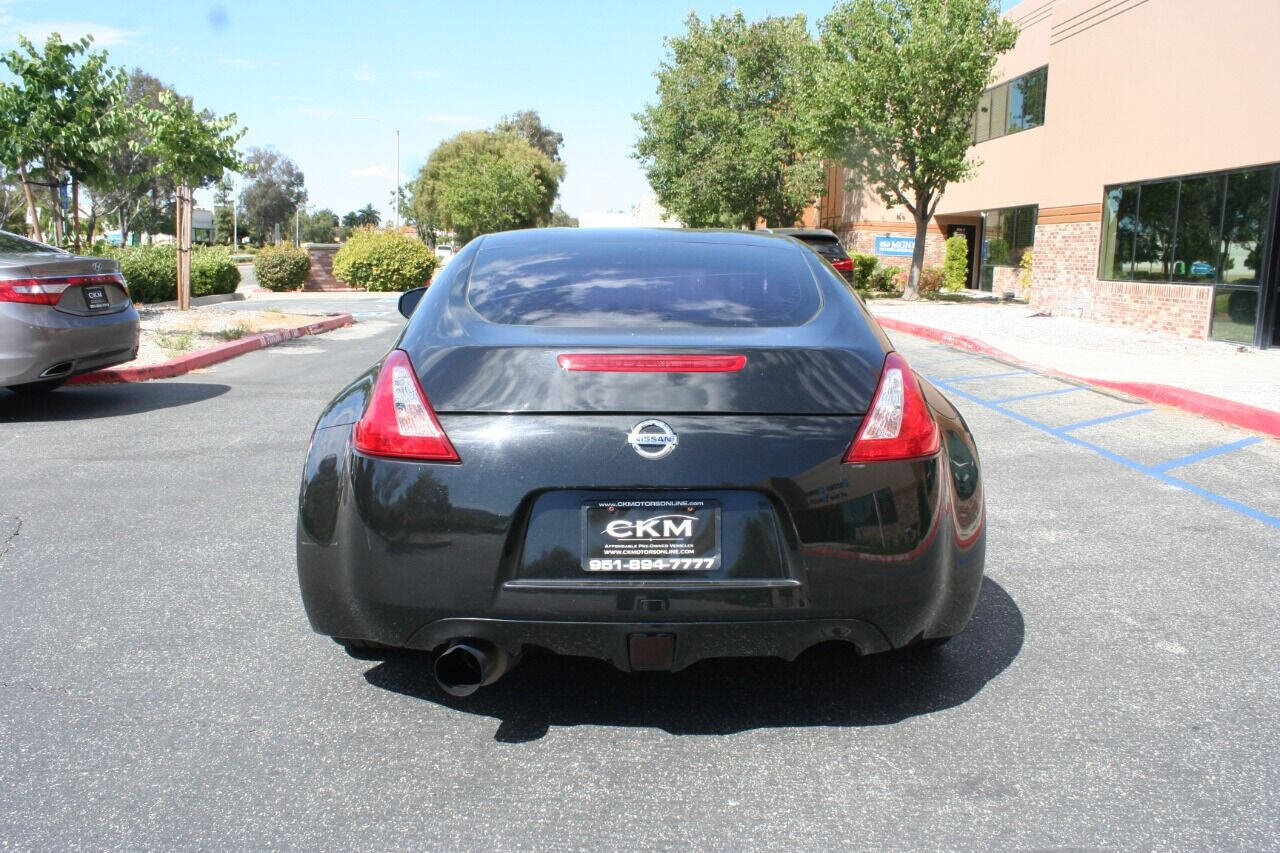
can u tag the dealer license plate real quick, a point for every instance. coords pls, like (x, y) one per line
(96, 297)
(651, 536)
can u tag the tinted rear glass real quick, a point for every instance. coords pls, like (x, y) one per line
(626, 284)
(828, 247)
(11, 245)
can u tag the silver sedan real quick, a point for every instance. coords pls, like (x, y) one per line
(60, 314)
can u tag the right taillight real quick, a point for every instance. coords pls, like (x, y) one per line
(843, 264)
(399, 421)
(899, 424)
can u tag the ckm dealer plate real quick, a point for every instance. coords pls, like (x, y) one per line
(651, 536)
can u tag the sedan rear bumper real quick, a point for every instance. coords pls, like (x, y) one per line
(38, 342)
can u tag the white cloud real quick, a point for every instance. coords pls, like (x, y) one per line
(364, 73)
(451, 118)
(104, 35)
(377, 170)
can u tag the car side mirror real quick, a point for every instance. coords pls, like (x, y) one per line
(409, 300)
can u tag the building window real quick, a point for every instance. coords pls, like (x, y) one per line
(1015, 105)
(1206, 229)
(1007, 233)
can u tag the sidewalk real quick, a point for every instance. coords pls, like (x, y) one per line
(1113, 355)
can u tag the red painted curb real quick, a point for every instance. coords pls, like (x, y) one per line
(213, 355)
(1243, 415)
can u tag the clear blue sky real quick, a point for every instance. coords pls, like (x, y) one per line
(329, 83)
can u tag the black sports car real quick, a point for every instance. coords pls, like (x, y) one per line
(646, 446)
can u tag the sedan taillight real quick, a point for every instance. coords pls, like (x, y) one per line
(399, 421)
(843, 264)
(899, 424)
(47, 291)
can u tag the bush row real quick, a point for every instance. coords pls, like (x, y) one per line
(869, 275)
(152, 271)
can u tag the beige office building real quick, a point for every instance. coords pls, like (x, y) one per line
(1131, 146)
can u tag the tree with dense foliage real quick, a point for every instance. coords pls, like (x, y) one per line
(318, 226)
(192, 150)
(725, 143)
(275, 189)
(483, 181)
(62, 115)
(897, 85)
(528, 125)
(560, 219)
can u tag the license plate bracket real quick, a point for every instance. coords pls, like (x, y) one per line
(95, 297)
(651, 535)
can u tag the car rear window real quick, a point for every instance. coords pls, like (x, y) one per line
(828, 247)
(626, 284)
(13, 245)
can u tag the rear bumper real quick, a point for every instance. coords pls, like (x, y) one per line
(38, 342)
(414, 555)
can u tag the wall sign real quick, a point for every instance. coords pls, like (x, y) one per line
(898, 247)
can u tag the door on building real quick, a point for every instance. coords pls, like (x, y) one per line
(970, 233)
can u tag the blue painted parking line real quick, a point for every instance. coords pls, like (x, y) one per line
(987, 376)
(1206, 454)
(1054, 393)
(1105, 419)
(1154, 471)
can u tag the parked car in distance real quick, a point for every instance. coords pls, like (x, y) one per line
(444, 252)
(825, 243)
(60, 314)
(646, 446)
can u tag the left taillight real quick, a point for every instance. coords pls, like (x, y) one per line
(47, 291)
(399, 421)
(899, 424)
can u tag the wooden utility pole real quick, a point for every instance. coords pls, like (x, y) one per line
(184, 247)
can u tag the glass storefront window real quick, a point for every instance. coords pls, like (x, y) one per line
(1012, 106)
(1153, 250)
(1235, 313)
(1007, 233)
(983, 117)
(1119, 222)
(1199, 212)
(1244, 222)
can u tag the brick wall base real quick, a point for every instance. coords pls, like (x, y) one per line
(321, 275)
(1064, 279)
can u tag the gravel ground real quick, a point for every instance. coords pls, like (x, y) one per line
(168, 332)
(1099, 351)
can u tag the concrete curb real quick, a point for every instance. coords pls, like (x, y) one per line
(1243, 415)
(213, 355)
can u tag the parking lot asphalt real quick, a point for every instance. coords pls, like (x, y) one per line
(160, 687)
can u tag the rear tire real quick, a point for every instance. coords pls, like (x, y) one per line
(44, 386)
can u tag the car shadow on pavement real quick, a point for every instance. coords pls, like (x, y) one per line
(830, 685)
(80, 402)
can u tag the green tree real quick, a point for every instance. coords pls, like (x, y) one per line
(276, 188)
(560, 219)
(897, 85)
(483, 181)
(193, 150)
(64, 110)
(351, 219)
(725, 144)
(528, 125)
(318, 226)
(368, 216)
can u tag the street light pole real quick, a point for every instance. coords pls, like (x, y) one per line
(397, 180)
(235, 219)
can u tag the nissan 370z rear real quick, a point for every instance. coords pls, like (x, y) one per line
(650, 447)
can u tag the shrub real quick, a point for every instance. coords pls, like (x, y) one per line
(955, 266)
(281, 267)
(383, 260)
(882, 280)
(931, 281)
(150, 271)
(864, 267)
(213, 271)
(1024, 277)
